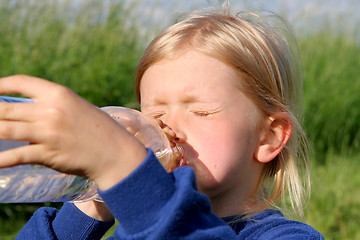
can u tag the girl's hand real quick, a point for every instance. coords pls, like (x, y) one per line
(65, 133)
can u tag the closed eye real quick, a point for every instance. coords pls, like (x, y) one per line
(206, 112)
(202, 114)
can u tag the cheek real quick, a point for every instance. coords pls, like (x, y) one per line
(224, 149)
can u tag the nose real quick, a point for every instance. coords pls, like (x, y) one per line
(175, 125)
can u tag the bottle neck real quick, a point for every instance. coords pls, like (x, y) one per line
(147, 131)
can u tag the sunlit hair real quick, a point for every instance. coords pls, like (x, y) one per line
(265, 52)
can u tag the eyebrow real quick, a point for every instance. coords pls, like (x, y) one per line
(185, 98)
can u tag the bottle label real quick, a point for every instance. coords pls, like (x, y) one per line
(15, 99)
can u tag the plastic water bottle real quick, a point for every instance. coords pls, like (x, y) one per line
(35, 183)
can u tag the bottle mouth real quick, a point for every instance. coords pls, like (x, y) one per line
(177, 157)
(178, 149)
(171, 158)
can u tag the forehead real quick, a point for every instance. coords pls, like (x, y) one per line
(189, 74)
(191, 62)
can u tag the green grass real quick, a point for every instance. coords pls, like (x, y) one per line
(334, 208)
(331, 86)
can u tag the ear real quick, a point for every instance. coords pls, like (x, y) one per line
(274, 136)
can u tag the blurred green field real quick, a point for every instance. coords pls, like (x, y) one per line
(334, 207)
(95, 54)
(92, 51)
(331, 66)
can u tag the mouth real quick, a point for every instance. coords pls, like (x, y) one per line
(178, 159)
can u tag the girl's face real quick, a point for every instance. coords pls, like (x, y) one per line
(199, 98)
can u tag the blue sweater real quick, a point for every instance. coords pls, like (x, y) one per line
(153, 204)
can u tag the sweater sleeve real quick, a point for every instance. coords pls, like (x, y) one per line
(68, 224)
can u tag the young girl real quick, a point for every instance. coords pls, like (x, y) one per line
(227, 86)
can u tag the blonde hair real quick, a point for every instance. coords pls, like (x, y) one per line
(267, 56)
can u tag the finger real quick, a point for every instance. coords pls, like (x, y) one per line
(18, 131)
(159, 122)
(172, 143)
(28, 154)
(169, 133)
(25, 85)
(18, 111)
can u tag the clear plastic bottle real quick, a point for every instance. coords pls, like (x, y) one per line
(35, 183)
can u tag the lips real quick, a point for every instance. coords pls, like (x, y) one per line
(178, 159)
